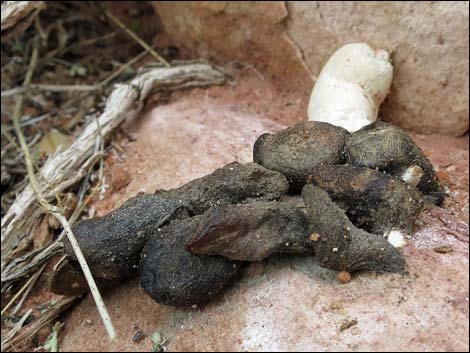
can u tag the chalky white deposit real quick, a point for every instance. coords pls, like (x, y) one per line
(351, 87)
(396, 238)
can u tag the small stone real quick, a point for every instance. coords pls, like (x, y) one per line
(314, 237)
(344, 277)
(138, 336)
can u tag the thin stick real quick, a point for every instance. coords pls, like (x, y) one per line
(12, 301)
(50, 88)
(54, 210)
(89, 278)
(101, 143)
(121, 69)
(135, 37)
(68, 167)
(38, 258)
(35, 277)
(36, 325)
(14, 330)
(49, 250)
(73, 88)
(28, 122)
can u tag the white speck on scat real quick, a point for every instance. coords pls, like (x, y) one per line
(396, 238)
(412, 175)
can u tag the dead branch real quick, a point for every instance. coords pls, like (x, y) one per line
(134, 36)
(18, 15)
(31, 329)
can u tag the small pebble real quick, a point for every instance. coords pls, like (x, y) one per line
(344, 277)
(314, 237)
(138, 336)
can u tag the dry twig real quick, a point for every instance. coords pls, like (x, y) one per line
(26, 288)
(18, 15)
(6, 339)
(54, 210)
(35, 326)
(134, 36)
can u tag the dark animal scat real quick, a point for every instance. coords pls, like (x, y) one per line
(68, 279)
(296, 150)
(374, 201)
(252, 232)
(339, 245)
(390, 149)
(173, 276)
(231, 184)
(112, 244)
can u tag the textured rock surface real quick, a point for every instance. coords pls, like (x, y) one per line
(428, 41)
(429, 46)
(247, 31)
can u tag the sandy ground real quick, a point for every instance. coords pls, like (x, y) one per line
(287, 303)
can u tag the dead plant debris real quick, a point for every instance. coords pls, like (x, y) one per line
(444, 249)
(347, 324)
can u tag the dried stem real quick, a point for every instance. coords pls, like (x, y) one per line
(26, 288)
(9, 342)
(18, 15)
(134, 36)
(54, 210)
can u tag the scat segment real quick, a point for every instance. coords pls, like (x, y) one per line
(340, 245)
(374, 201)
(112, 244)
(252, 232)
(388, 148)
(173, 276)
(296, 150)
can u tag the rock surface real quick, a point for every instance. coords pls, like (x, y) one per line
(293, 40)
